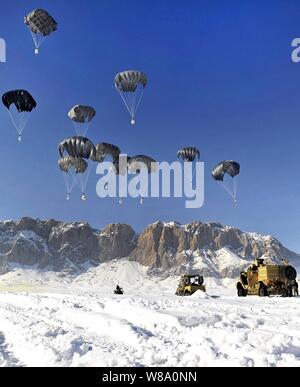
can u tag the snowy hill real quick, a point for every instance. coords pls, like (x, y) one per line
(49, 319)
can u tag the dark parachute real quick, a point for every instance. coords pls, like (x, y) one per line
(104, 150)
(188, 154)
(81, 117)
(137, 162)
(41, 25)
(128, 81)
(131, 85)
(80, 113)
(40, 22)
(22, 100)
(232, 168)
(67, 162)
(77, 146)
(24, 103)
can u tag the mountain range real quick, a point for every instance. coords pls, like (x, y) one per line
(165, 248)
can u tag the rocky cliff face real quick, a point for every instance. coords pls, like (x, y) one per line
(210, 248)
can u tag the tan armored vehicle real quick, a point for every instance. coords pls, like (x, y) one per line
(189, 284)
(263, 280)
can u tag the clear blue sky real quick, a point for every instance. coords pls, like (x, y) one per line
(220, 78)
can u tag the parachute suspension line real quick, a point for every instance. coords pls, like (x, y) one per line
(82, 179)
(125, 102)
(139, 101)
(131, 101)
(70, 182)
(38, 40)
(235, 188)
(81, 129)
(228, 190)
(19, 123)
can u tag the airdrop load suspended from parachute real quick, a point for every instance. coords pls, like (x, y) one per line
(24, 103)
(41, 25)
(81, 116)
(131, 85)
(230, 168)
(78, 148)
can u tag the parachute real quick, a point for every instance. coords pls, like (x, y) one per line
(104, 150)
(81, 117)
(82, 152)
(230, 168)
(68, 165)
(131, 85)
(19, 104)
(136, 163)
(41, 25)
(188, 154)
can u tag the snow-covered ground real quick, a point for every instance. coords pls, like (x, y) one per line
(47, 319)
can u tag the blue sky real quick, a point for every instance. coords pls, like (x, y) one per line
(220, 78)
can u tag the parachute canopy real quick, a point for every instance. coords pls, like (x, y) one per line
(22, 100)
(40, 22)
(188, 154)
(81, 114)
(104, 150)
(121, 169)
(128, 81)
(67, 162)
(135, 163)
(232, 168)
(77, 147)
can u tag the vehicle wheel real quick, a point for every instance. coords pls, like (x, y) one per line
(262, 291)
(201, 280)
(290, 273)
(187, 281)
(186, 293)
(241, 292)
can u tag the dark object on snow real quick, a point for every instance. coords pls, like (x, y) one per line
(118, 290)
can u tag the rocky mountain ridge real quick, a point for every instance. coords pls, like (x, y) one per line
(211, 248)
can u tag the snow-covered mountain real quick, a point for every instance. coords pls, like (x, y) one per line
(165, 248)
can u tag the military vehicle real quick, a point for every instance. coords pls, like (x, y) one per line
(263, 280)
(189, 284)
